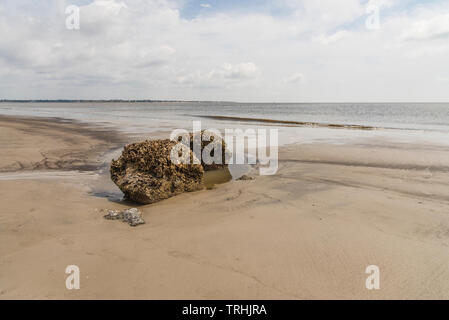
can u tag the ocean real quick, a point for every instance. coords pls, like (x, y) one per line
(407, 122)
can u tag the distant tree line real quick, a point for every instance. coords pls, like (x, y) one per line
(77, 101)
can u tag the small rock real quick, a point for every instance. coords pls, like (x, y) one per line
(114, 215)
(245, 177)
(131, 216)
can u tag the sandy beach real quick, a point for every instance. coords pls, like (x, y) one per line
(308, 232)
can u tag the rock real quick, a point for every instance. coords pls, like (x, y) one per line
(145, 173)
(245, 177)
(114, 215)
(131, 216)
(211, 145)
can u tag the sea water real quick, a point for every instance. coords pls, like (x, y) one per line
(407, 122)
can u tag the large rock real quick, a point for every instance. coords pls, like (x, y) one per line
(145, 173)
(211, 145)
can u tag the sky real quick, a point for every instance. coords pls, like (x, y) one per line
(226, 50)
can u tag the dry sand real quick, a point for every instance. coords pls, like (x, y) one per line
(307, 232)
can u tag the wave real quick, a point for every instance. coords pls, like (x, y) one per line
(295, 123)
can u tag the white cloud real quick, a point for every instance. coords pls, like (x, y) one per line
(431, 28)
(326, 13)
(381, 3)
(110, 5)
(238, 71)
(295, 78)
(146, 49)
(325, 39)
(206, 5)
(224, 76)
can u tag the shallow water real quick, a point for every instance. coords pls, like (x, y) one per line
(427, 121)
(214, 177)
(423, 116)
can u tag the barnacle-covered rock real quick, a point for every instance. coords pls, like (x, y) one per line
(146, 174)
(211, 144)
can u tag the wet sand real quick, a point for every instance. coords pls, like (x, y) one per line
(49, 144)
(307, 232)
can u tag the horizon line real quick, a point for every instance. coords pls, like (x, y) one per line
(194, 101)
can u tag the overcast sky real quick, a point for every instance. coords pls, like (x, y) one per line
(239, 50)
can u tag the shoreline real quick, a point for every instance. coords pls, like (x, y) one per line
(307, 232)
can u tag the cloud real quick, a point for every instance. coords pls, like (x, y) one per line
(238, 71)
(326, 14)
(381, 3)
(431, 28)
(226, 75)
(325, 39)
(110, 5)
(295, 78)
(206, 5)
(148, 49)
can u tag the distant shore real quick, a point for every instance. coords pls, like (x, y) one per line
(211, 101)
(105, 101)
(307, 232)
